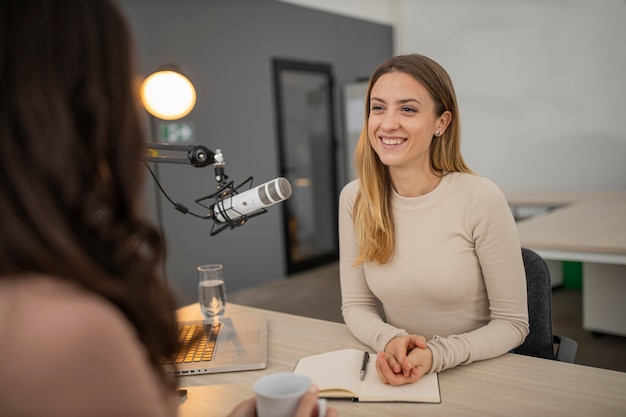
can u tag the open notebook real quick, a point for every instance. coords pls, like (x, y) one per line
(237, 343)
(337, 374)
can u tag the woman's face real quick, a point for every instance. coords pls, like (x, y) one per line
(402, 122)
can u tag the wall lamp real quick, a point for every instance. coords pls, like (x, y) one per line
(167, 94)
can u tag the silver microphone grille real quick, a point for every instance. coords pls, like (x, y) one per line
(275, 191)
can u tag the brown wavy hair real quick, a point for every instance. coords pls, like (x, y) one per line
(71, 171)
(372, 216)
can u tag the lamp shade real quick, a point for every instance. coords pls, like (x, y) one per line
(168, 95)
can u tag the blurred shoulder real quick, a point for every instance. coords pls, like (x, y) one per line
(71, 325)
(79, 348)
(47, 304)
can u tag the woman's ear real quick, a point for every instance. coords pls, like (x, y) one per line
(444, 121)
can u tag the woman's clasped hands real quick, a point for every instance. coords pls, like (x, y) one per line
(404, 360)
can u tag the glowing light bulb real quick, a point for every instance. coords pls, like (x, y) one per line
(168, 95)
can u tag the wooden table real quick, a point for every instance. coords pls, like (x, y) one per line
(510, 385)
(587, 227)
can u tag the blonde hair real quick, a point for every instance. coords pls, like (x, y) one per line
(372, 215)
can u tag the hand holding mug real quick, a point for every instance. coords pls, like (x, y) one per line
(289, 395)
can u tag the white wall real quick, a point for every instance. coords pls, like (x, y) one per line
(541, 84)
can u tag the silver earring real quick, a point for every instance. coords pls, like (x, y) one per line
(437, 134)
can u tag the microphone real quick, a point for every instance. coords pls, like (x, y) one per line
(233, 207)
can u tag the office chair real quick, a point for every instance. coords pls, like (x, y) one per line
(541, 342)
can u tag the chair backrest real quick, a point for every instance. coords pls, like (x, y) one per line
(539, 342)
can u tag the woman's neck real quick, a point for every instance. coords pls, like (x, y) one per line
(416, 183)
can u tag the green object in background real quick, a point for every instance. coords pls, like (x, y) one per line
(572, 274)
(177, 132)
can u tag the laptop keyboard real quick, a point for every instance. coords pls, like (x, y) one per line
(197, 342)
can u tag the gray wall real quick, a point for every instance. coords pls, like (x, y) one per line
(225, 48)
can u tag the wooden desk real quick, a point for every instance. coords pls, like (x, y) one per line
(511, 385)
(587, 227)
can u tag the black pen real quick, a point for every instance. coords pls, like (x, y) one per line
(366, 358)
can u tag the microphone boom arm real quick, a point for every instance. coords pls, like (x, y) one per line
(200, 156)
(197, 155)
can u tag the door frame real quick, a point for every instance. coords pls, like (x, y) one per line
(283, 64)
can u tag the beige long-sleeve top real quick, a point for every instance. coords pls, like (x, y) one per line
(456, 276)
(65, 352)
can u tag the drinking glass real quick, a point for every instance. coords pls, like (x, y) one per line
(211, 290)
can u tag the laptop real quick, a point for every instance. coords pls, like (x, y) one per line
(237, 343)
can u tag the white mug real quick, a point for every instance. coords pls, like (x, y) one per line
(278, 395)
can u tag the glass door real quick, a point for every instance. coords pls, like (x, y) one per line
(304, 108)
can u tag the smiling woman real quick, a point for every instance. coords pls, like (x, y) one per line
(401, 125)
(434, 243)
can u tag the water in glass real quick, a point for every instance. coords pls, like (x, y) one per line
(211, 290)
